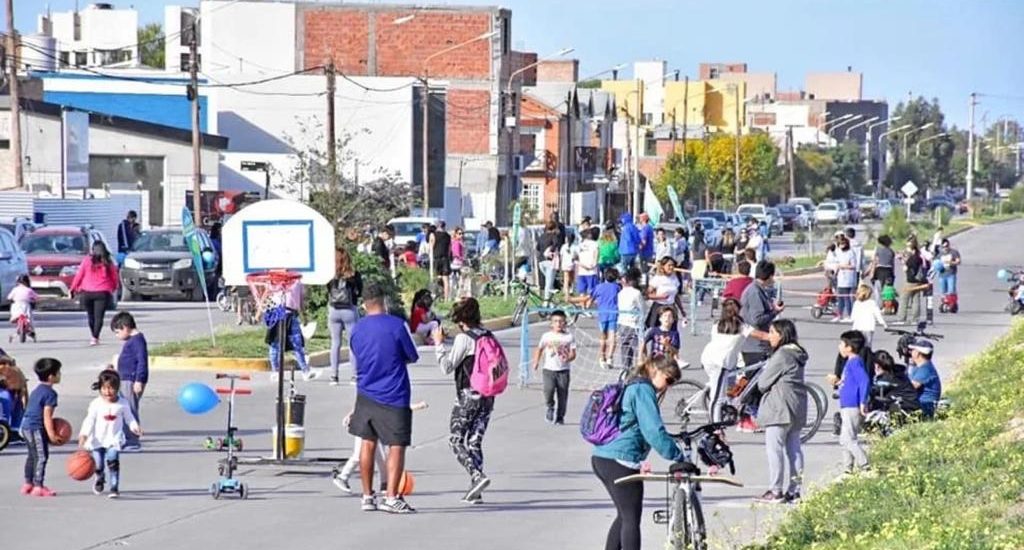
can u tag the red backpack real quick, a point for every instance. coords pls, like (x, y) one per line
(489, 376)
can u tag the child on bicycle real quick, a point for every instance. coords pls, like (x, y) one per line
(22, 299)
(722, 352)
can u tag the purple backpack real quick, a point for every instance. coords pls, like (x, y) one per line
(601, 413)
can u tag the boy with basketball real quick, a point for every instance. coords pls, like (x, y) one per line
(38, 428)
(103, 430)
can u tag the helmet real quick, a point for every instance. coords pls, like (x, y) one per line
(714, 452)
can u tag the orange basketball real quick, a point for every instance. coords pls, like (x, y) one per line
(406, 483)
(63, 429)
(80, 465)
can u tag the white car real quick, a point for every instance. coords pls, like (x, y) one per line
(828, 212)
(406, 228)
(803, 218)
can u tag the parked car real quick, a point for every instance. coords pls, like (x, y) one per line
(18, 226)
(807, 203)
(829, 212)
(54, 254)
(160, 264)
(712, 230)
(406, 228)
(941, 202)
(853, 213)
(789, 214)
(756, 211)
(720, 216)
(13, 263)
(844, 210)
(775, 225)
(882, 208)
(868, 208)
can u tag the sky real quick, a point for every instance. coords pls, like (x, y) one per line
(942, 49)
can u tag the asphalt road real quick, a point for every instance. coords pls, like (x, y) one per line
(543, 493)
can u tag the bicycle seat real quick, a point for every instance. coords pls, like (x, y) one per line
(684, 467)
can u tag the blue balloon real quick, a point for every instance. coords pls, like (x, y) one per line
(208, 258)
(197, 398)
(1003, 275)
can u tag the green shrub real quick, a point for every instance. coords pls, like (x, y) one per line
(1016, 200)
(896, 225)
(800, 237)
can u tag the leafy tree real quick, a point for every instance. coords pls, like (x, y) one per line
(936, 155)
(848, 172)
(151, 45)
(813, 173)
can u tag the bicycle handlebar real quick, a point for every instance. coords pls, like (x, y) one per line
(669, 476)
(914, 333)
(707, 428)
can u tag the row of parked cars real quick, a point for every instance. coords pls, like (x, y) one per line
(159, 263)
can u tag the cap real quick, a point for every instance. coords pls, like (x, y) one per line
(923, 346)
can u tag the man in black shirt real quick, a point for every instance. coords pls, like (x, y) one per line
(916, 270)
(380, 247)
(441, 249)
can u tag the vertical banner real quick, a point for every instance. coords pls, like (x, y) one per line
(673, 197)
(188, 229)
(652, 205)
(75, 136)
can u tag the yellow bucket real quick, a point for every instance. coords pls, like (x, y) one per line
(294, 440)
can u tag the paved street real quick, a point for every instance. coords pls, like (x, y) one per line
(543, 493)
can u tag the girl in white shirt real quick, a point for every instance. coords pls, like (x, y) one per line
(866, 314)
(567, 262)
(103, 430)
(722, 352)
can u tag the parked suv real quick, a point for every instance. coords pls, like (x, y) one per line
(54, 254)
(12, 263)
(160, 264)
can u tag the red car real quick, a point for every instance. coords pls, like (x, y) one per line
(54, 254)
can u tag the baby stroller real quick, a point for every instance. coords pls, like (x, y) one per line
(890, 300)
(949, 304)
(826, 302)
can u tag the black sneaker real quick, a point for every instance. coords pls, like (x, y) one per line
(97, 488)
(335, 381)
(396, 505)
(476, 487)
(770, 497)
(560, 422)
(793, 498)
(550, 416)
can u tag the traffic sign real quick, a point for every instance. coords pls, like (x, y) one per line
(909, 188)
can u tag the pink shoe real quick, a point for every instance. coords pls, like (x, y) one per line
(26, 489)
(43, 492)
(94, 341)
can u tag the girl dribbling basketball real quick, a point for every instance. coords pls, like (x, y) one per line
(103, 431)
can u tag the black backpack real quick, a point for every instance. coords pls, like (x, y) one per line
(339, 294)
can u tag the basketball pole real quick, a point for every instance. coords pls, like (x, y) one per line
(282, 334)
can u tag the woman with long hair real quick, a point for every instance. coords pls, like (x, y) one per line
(343, 294)
(95, 284)
(721, 354)
(641, 429)
(783, 411)
(846, 277)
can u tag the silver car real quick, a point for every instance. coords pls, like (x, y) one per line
(13, 263)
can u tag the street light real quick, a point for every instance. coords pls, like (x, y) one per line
(840, 119)
(859, 124)
(509, 177)
(867, 146)
(404, 19)
(824, 119)
(903, 150)
(614, 70)
(844, 123)
(917, 149)
(425, 102)
(885, 159)
(640, 84)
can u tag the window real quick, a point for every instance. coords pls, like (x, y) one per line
(188, 18)
(185, 61)
(81, 59)
(533, 196)
(506, 36)
(5, 144)
(65, 59)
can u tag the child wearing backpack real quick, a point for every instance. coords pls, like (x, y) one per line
(558, 349)
(480, 368)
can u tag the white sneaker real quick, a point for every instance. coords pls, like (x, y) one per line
(310, 375)
(341, 482)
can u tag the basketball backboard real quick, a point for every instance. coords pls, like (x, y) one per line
(278, 234)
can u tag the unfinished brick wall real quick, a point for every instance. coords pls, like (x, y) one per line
(558, 70)
(342, 33)
(468, 127)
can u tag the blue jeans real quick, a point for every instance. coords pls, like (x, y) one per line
(113, 465)
(547, 268)
(627, 261)
(947, 283)
(845, 301)
(294, 335)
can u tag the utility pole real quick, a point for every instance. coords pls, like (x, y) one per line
(193, 95)
(686, 113)
(673, 130)
(970, 146)
(789, 160)
(12, 63)
(425, 109)
(736, 152)
(332, 160)
(636, 159)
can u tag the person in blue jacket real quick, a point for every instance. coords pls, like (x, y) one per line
(641, 429)
(629, 241)
(646, 242)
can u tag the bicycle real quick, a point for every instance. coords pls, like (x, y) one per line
(908, 337)
(23, 329)
(685, 515)
(690, 401)
(527, 297)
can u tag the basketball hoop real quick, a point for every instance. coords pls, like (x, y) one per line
(268, 290)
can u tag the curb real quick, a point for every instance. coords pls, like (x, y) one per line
(253, 364)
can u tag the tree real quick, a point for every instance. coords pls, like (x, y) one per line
(813, 169)
(848, 171)
(151, 45)
(935, 161)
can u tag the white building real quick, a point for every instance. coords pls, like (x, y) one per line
(98, 36)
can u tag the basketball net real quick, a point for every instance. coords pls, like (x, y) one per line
(268, 290)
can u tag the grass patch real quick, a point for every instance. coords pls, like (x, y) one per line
(244, 344)
(491, 307)
(801, 262)
(955, 483)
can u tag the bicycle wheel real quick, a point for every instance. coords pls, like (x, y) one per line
(678, 533)
(816, 410)
(686, 402)
(696, 532)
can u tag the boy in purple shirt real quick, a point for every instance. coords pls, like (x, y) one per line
(854, 395)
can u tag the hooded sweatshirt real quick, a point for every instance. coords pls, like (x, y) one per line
(629, 241)
(784, 397)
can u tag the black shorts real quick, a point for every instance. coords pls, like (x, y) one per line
(443, 266)
(384, 423)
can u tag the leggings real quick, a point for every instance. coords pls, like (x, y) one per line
(95, 304)
(339, 320)
(468, 425)
(624, 533)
